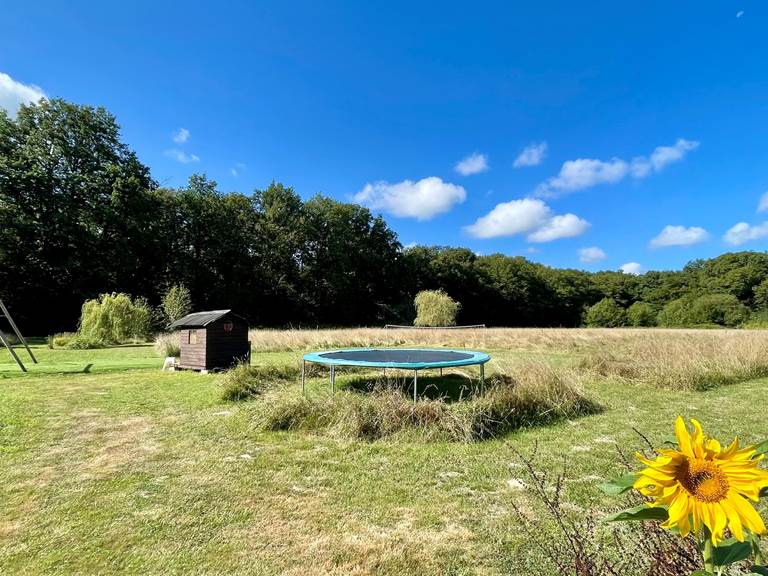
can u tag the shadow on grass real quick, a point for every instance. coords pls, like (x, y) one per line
(448, 388)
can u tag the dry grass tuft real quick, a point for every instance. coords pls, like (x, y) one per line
(245, 381)
(167, 344)
(535, 395)
(688, 361)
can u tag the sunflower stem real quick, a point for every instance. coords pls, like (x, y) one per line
(760, 558)
(708, 551)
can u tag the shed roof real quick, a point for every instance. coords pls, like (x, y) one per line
(202, 319)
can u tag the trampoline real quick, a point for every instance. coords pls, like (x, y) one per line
(396, 358)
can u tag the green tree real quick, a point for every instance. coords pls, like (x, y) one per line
(512, 292)
(618, 286)
(675, 313)
(349, 263)
(641, 314)
(435, 308)
(213, 251)
(115, 318)
(177, 303)
(720, 309)
(760, 295)
(735, 273)
(606, 314)
(73, 201)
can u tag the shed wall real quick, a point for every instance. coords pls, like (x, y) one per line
(193, 355)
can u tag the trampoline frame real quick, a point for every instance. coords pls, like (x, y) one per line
(476, 358)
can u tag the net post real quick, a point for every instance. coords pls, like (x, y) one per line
(12, 351)
(16, 331)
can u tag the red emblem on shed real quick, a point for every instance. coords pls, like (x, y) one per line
(228, 326)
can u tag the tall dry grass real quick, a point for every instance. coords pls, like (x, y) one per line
(487, 338)
(670, 358)
(535, 339)
(167, 344)
(690, 360)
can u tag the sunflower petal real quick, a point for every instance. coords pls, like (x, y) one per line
(734, 520)
(683, 437)
(697, 439)
(749, 516)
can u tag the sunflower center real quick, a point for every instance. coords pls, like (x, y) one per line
(703, 479)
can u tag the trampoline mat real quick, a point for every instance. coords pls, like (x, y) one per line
(398, 356)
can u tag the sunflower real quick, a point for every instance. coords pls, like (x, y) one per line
(704, 485)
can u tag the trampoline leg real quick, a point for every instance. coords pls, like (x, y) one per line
(303, 370)
(441, 372)
(415, 383)
(333, 379)
(482, 378)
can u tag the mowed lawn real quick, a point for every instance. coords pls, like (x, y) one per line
(121, 468)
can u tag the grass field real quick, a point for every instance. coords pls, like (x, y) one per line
(109, 465)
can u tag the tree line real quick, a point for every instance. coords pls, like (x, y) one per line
(80, 215)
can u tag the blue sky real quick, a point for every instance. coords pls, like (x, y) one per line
(636, 117)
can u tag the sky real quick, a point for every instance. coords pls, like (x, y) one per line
(599, 135)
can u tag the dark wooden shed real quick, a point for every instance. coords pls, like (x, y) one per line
(212, 340)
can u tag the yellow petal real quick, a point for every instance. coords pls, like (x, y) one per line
(697, 439)
(683, 437)
(734, 520)
(678, 510)
(749, 516)
(696, 517)
(713, 447)
(732, 449)
(719, 521)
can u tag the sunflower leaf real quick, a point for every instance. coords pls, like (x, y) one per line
(701, 573)
(639, 514)
(731, 551)
(764, 492)
(619, 485)
(759, 570)
(761, 448)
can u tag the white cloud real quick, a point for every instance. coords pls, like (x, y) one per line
(532, 155)
(587, 172)
(407, 199)
(181, 135)
(740, 13)
(743, 232)
(527, 215)
(237, 169)
(680, 236)
(472, 164)
(661, 157)
(564, 226)
(631, 268)
(763, 204)
(591, 255)
(583, 173)
(511, 218)
(13, 94)
(181, 156)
